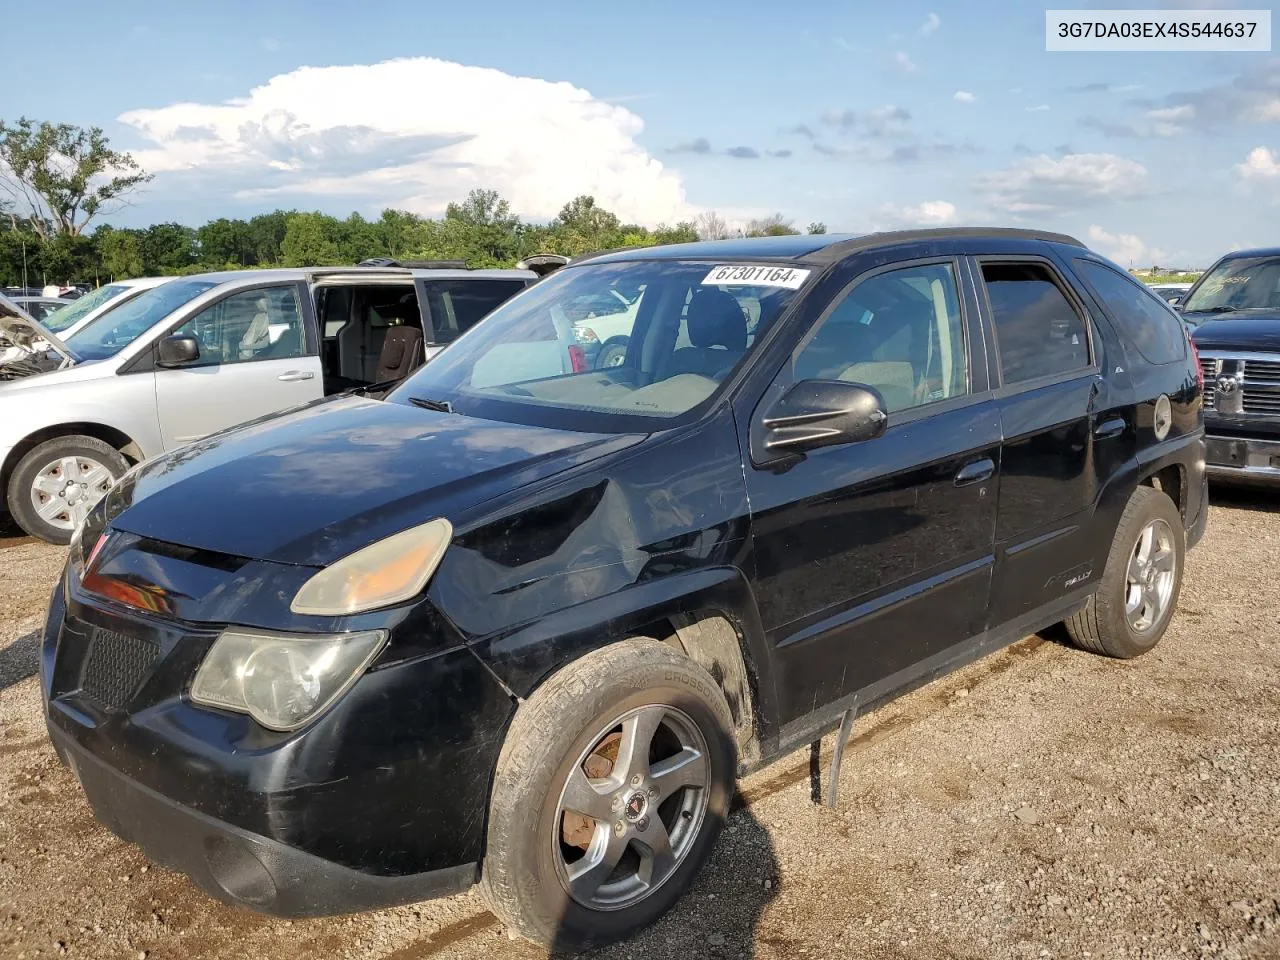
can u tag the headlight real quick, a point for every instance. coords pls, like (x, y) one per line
(282, 681)
(387, 572)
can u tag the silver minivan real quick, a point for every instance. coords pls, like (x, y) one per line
(198, 354)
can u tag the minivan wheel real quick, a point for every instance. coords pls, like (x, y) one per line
(611, 788)
(1139, 588)
(57, 483)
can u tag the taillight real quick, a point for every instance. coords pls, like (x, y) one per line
(577, 358)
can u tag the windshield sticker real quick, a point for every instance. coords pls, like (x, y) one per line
(755, 275)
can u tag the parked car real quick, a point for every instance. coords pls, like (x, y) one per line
(67, 319)
(1170, 292)
(199, 354)
(1235, 312)
(40, 307)
(523, 626)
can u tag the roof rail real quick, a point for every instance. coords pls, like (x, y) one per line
(843, 248)
(414, 264)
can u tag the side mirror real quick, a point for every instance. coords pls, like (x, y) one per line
(1175, 302)
(824, 413)
(178, 351)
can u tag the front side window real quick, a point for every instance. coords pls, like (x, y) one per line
(1242, 283)
(111, 332)
(610, 347)
(457, 305)
(1038, 331)
(263, 324)
(900, 332)
(63, 317)
(1145, 320)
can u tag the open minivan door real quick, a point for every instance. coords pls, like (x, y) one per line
(24, 343)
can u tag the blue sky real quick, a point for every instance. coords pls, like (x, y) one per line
(861, 116)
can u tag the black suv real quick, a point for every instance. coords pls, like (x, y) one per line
(522, 622)
(1235, 310)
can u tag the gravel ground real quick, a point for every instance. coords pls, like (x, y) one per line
(1041, 803)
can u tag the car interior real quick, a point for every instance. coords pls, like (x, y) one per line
(370, 334)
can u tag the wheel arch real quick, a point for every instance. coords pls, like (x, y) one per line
(113, 436)
(710, 615)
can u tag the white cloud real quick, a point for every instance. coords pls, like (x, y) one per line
(1042, 184)
(334, 132)
(927, 213)
(964, 96)
(931, 24)
(1262, 165)
(1126, 249)
(1038, 108)
(904, 63)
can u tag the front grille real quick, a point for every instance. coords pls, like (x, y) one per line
(1261, 401)
(117, 666)
(1210, 368)
(1262, 371)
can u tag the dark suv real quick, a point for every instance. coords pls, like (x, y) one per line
(522, 622)
(1235, 309)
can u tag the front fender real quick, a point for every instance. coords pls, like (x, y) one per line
(525, 657)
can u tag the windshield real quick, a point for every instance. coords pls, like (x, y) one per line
(610, 348)
(1244, 283)
(110, 333)
(58, 320)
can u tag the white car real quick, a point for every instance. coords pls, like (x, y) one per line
(71, 315)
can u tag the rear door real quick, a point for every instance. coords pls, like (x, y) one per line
(455, 305)
(257, 356)
(1049, 392)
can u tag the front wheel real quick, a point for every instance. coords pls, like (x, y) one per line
(1140, 583)
(611, 788)
(57, 483)
(613, 353)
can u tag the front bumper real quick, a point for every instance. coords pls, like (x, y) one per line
(378, 802)
(1243, 459)
(239, 867)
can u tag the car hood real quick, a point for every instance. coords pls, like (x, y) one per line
(18, 328)
(318, 483)
(1246, 330)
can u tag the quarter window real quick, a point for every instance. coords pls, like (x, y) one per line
(1145, 320)
(1038, 331)
(263, 324)
(900, 332)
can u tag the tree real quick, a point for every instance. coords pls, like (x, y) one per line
(310, 240)
(168, 248)
(121, 252)
(711, 226)
(774, 225)
(266, 233)
(225, 242)
(62, 175)
(817, 227)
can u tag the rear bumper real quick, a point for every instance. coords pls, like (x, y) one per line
(239, 867)
(1243, 459)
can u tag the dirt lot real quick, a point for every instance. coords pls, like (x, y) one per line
(1042, 803)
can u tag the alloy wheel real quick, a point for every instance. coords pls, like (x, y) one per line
(1150, 577)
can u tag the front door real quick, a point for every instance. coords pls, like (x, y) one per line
(873, 557)
(1050, 388)
(255, 358)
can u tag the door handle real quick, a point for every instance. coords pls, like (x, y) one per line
(975, 472)
(1110, 428)
(294, 375)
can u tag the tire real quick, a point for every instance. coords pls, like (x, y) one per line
(1105, 624)
(529, 854)
(97, 466)
(612, 353)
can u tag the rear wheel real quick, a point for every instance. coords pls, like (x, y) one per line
(1140, 584)
(57, 483)
(611, 788)
(613, 353)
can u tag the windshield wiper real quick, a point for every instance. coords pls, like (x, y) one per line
(439, 406)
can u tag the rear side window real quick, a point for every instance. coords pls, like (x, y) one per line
(457, 305)
(1038, 331)
(1143, 318)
